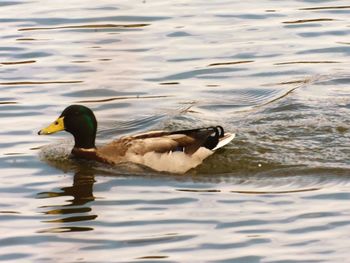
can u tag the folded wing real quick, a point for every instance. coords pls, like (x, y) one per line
(188, 141)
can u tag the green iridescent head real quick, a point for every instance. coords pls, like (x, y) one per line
(78, 120)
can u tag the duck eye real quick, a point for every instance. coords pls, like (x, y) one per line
(56, 122)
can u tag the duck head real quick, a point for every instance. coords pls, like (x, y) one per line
(78, 120)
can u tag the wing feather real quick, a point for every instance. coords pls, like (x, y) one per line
(188, 141)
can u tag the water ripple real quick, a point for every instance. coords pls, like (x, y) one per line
(275, 73)
(97, 26)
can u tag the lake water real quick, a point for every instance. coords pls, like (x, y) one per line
(274, 72)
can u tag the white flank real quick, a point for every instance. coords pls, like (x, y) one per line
(173, 162)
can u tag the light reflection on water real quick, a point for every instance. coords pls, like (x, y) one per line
(274, 73)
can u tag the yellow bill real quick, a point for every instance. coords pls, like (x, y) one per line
(56, 126)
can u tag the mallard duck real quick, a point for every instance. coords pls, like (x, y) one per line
(166, 151)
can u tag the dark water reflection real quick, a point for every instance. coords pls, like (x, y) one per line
(275, 73)
(82, 193)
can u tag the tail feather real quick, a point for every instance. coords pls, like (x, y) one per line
(225, 139)
(212, 138)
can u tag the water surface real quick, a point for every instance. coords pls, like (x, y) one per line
(274, 72)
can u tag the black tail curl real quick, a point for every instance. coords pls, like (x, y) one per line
(210, 136)
(214, 138)
(219, 131)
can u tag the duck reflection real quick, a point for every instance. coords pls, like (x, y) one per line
(77, 209)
